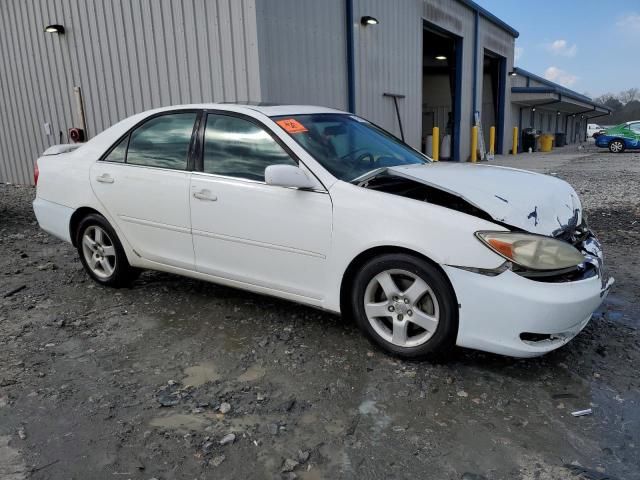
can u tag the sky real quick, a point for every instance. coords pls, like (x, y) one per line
(590, 46)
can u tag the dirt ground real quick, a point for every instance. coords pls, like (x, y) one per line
(176, 378)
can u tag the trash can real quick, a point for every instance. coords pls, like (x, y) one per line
(546, 142)
(561, 139)
(530, 139)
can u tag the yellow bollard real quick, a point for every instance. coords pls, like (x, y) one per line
(515, 141)
(436, 144)
(474, 144)
(492, 140)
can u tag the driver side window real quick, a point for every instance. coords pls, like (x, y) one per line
(235, 147)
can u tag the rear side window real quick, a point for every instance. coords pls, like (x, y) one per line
(235, 147)
(162, 141)
(119, 153)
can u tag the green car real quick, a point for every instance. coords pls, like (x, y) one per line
(617, 139)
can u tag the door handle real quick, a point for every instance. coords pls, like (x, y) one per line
(205, 195)
(105, 178)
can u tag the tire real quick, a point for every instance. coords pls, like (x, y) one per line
(101, 253)
(426, 323)
(616, 146)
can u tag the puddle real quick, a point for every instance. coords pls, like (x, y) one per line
(252, 374)
(368, 407)
(313, 474)
(200, 374)
(380, 419)
(188, 422)
(181, 421)
(334, 427)
(12, 466)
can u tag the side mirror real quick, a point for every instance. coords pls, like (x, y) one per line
(287, 176)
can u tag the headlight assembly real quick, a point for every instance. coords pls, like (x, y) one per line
(533, 252)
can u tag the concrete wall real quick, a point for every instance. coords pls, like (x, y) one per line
(127, 56)
(436, 103)
(302, 50)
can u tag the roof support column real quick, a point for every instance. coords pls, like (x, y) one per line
(351, 68)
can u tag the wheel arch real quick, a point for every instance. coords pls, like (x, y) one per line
(75, 220)
(359, 260)
(621, 139)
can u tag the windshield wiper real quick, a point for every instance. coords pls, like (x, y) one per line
(365, 177)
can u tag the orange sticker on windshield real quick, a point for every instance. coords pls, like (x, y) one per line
(291, 125)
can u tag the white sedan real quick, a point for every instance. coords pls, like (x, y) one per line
(324, 208)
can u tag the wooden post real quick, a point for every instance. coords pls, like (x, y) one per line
(515, 141)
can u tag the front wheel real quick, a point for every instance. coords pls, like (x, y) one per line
(616, 146)
(102, 254)
(405, 305)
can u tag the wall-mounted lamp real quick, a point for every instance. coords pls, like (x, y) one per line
(441, 57)
(558, 112)
(367, 20)
(513, 73)
(533, 109)
(59, 29)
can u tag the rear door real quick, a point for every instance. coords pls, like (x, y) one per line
(143, 183)
(246, 230)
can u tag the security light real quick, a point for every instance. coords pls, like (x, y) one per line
(558, 112)
(533, 109)
(367, 20)
(441, 57)
(59, 29)
(513, 73)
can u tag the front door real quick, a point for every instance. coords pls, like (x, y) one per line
(248, 231)
(143, 184)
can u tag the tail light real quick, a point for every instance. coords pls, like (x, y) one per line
(36, 173)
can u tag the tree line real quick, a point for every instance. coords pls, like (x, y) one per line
(625, 106)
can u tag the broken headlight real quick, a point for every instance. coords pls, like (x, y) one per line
(533, 252)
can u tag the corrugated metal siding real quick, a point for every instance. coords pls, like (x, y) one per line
(127, 56)
(388, 59)
(302, 49)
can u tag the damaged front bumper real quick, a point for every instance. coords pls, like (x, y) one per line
(512, 314)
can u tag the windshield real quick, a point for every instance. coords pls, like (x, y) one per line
(348, 146)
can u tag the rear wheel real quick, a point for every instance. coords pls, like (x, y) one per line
(616, 146)
(101, 253)
(405, 305)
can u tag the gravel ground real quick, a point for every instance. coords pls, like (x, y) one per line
(176, 378)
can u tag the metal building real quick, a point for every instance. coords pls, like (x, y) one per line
(410, 63)
(548, 107)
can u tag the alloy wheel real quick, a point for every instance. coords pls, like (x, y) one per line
(401, 307)
(99, 251)
(616, 146)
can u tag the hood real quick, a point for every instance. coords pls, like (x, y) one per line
(529, 201)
